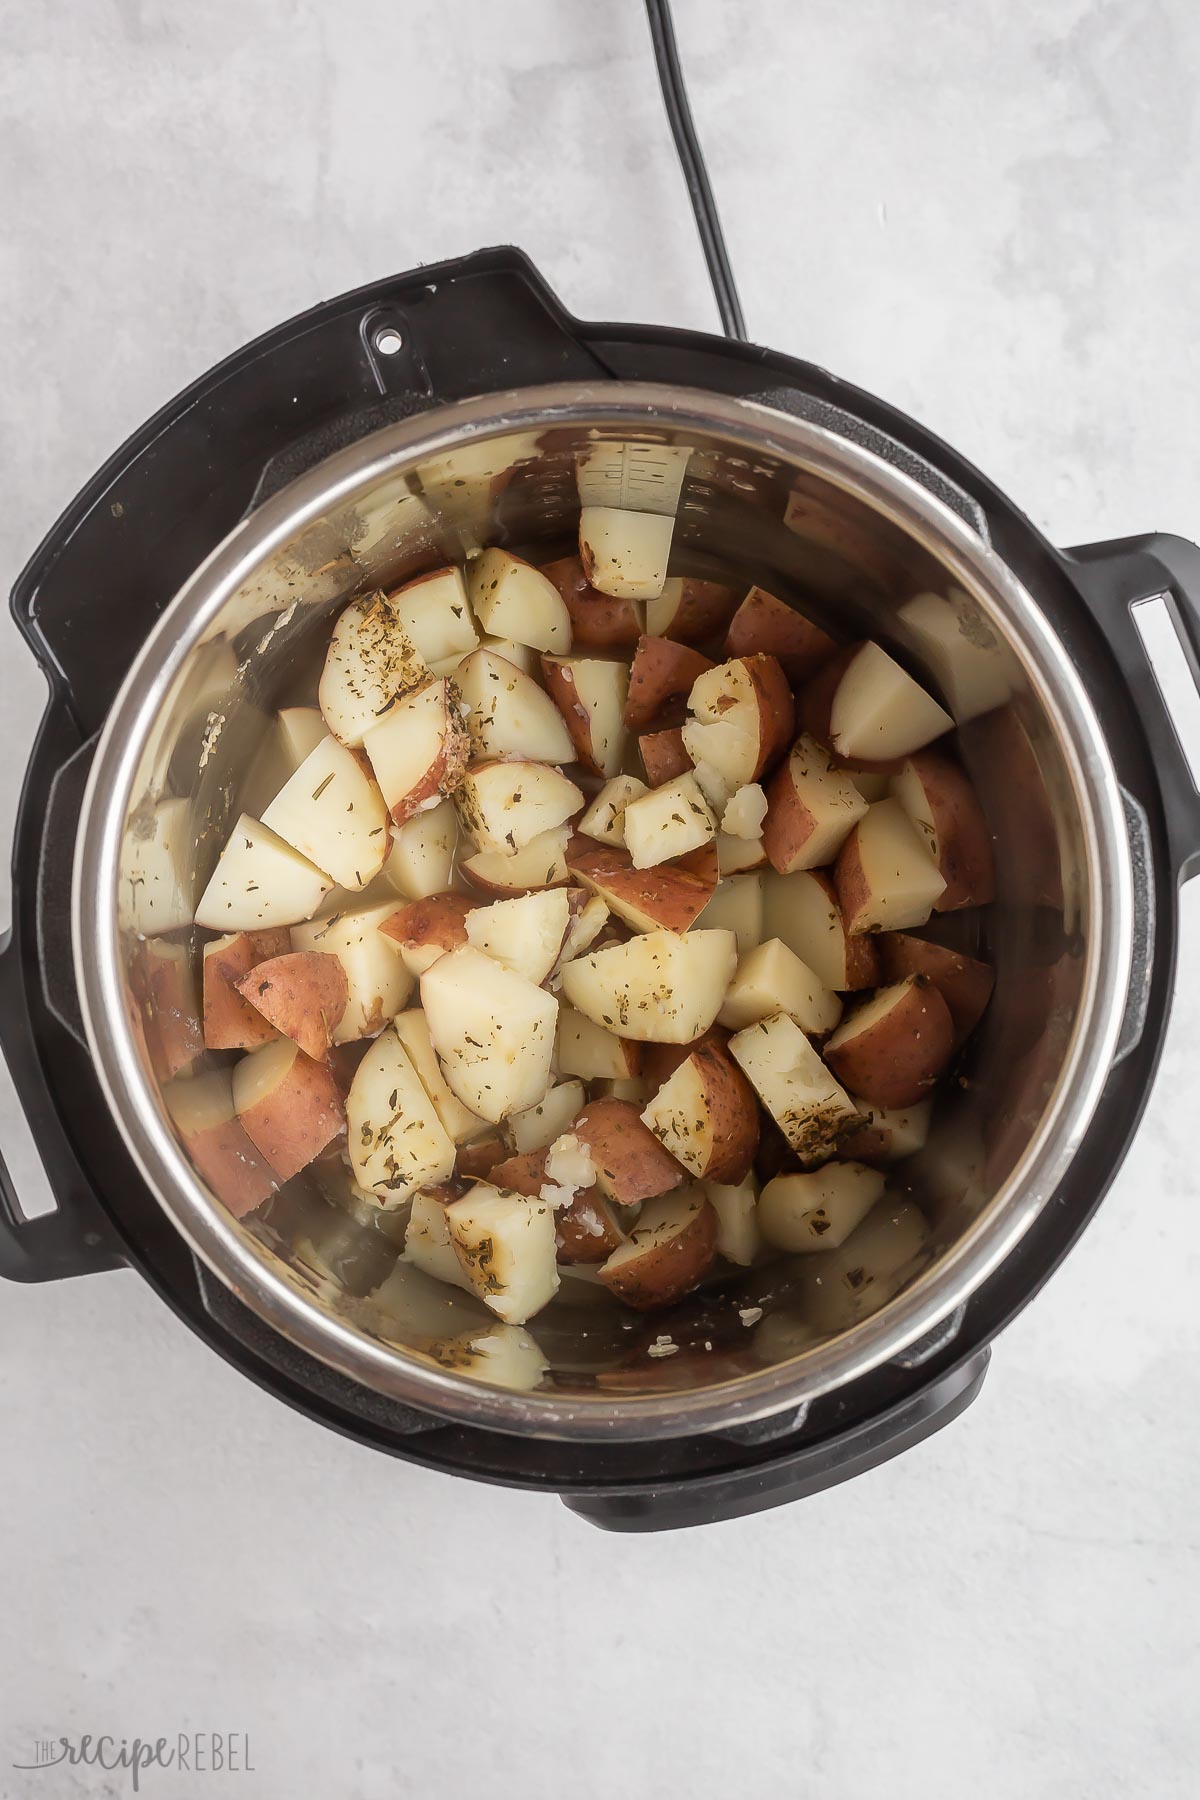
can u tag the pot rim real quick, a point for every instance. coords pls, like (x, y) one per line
(268, 1288)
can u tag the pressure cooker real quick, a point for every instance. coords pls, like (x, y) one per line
(186, 591)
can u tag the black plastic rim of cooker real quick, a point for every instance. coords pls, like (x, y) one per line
(484, 324)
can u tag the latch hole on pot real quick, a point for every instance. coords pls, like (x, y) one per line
(1174, 671)
(388, 341)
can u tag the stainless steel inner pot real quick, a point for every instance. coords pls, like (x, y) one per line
(764, 497)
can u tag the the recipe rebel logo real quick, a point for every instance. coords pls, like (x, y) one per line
(189, 1752)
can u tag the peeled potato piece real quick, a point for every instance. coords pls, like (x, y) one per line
(672, 1245)
(537, 1126)
(810, 1107)
(289, 1105)
(624, 554)
(378, 982)
(667, 823)
(886, 879)
(434, 613)
(396, 1141)
(811, 809)
(507, 714)
(493, 1032)
(771, 978)
(370, 662)
(260, 881)
(736, 906)
(706, 1116)
(660, 987)
(514, 600)
(961, 650)
(893, 1047)
(603, 819)
(506, 805)
(506, 1245)
(818, 1211)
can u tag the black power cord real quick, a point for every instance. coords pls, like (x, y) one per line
(691, 157)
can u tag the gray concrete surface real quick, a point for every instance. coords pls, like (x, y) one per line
(984, 212)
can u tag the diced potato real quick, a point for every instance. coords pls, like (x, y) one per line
(260, 881)
(541, 864)
(457, 1120)
(812, 808)
(422, 854)
(507, 714)
(378, 982)
(591, 1051)
(370, 663)
(885, 877)
(493, 1032)
(961, 649)
(514, 600)
(658, 988)
(585, 927)
(427, 1242)
(739, 1239)
(625, 554)
(667, 822)
(506, 805)
(334, 815)
(526, 934)
(603, 819)
(157, 892)
(505, 1243)
(396, 1141)
(434, 613)
(419, 751)
(673, 1244)
(539, 1125)
(811, 1109)
(737, 906)
(771, 979)
(589, 692)
(818, 1211)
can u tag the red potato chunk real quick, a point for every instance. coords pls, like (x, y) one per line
(203, 1114)
(964, 983)
(706, 1116)
(893, 1048)
(663, 756)
(231, 1023)
(765, 624)
(690, 611)
(303, 995)
(811, 809)
(289, 1105)
(943, 805)
(672, 1246)
(660, 678)
(669, 897)
(631, 1165)
(598, 621)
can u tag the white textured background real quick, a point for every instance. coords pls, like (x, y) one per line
(987, 213)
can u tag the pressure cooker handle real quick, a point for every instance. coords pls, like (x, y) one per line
(1113, 579)
(786, 1475)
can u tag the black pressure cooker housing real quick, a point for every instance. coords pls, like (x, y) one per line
(90, 594)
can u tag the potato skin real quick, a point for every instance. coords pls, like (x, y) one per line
(440, 919)
(662, 672)
(229, 1022)
(705, 609)
(897, 1060)
(303, 995)
(631, 1164)
(964, 983)
(294, 1121)
(776, 710)
(965, 856)
(672, 894)
(597, 620)
(733, 1106)
(765, 624)
(666, 1272)
(663, 755)
(476, 1160)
